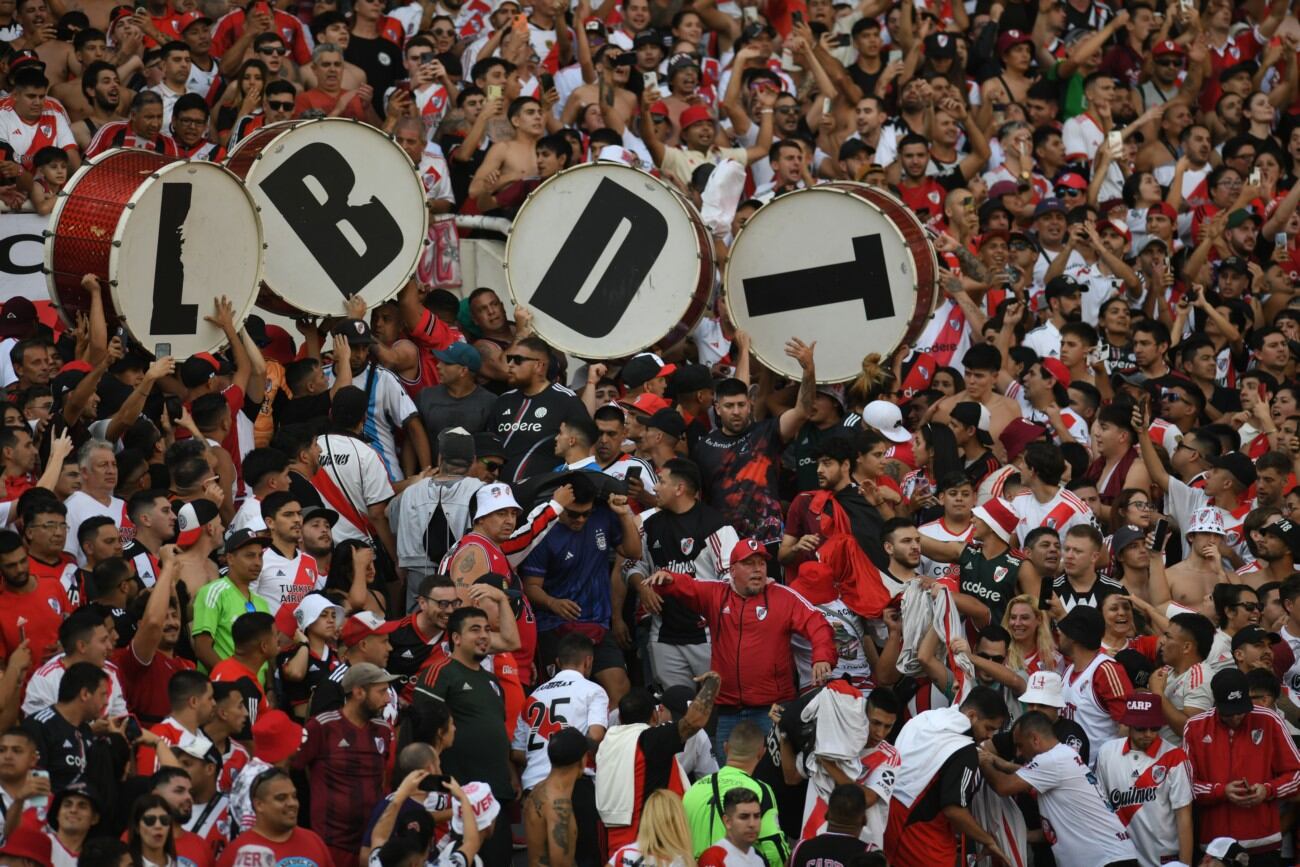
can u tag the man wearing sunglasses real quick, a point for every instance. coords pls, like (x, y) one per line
(1145, 780)
(528, 417)
(277, 105)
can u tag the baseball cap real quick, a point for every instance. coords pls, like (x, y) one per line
(199, 368)
(990, 235)
(481, 801)
(364, 624)
(1143, 711)
(1136, 666)
(1062, 286)
(192, 518)
(189, 19)
(487, 445)
(1057, 369)
(17, 317)
(1252, 635)
(1011, 38)
(245, 536)
(1241, 467)
(690, 377)
(645, 404)
(195, 745)
(1164, 209)
(648, 37)
(1287, 531)
(1226, 849)
(695, 114)
(1071, 181)
(320, 512)
(681, 61)
(1249, 67)
(660, 108)
(1044, 688)
(1167, 46)
(1235, 263)
(276, 736)
(1231, 692)
(645, 366)
(460, 353)
(669, 421)
(976, 415)
(1018, 434)
(1241, 215)
(27, 842)
(998, 516)
(1116, 227)
(493, 498)
(1049, 205)
(357, 331)
(310, 609)
(1125, 536)
(365, 674)
(746, 548)
(887, 418)
(940, 46)
(1084, 625)
(1003, 188)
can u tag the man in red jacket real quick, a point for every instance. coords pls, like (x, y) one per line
(1243, 763)
(751, 619)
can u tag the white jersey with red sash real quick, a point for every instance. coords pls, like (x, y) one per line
(286, 580)
(1145, 788)
(879, 771)
(51, 129)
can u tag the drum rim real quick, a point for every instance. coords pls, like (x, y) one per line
(47, 253)
(283, 128)
(843, 188)
(702, 256)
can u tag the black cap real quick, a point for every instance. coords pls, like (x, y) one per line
(488, 445)
(320, 512)
(1085, 625)
(648, 37)
(681, 61)
(1241, 467)
(1136, 666)
(1288, 532)
(1231, 692)
(677, 699)
(245, 536)
(1062, 286)
(753, 30)
(200, 367)
(940, 46)
(502, 583)
(348, 407)
(256, 327)
(690, 377)
(1249, 67)
(1235, 263)
(357, 331)
(76, 787)
(1253, 635)
(1125, 536)
(669, 421)
(970, 413)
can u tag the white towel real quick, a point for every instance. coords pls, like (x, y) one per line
(615, 771)
(721, 196)
(927, 741)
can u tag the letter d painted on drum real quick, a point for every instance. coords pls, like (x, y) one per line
(317, 223)
(608, 209)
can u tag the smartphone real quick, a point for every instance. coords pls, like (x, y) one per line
(843, 40)
(162, 350)
(633, 473)
(172, 404)
(896, 56)
(796, 17)
(494, 91)
(749, 13)
(1254, 177)
(22, 629)
(41, 802)
(826, 105)
(133, 732)
(1115, 140)
(1281, 239)
(434, 783)
(1159, 533)
(650, 81)
(1045, 592)
(1185, 5)
(548, 81)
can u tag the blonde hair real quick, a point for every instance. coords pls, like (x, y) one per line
(1042, 635)
(663, 836)
(874, 380)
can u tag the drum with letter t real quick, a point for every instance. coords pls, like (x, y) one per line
(342, 208)
(165, 237)
(611, 261)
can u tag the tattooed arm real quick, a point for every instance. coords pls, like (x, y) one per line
(793, 419)
(971, 266)
(467, 566)
(697, 715)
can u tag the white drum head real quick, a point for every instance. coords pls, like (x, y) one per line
(608, 259)
(822, 265)
(342, 210)
(220, 245)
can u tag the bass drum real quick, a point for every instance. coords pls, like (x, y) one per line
(610, 260)
(165, 237)
(342, 208)
(844, 264)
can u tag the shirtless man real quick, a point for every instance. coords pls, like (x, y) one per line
(510, 161)
(549, 823)
(195, 560)
(625, 101)
(41, 35)
(104, 100)
(1191, 581)
(88, 46)
(489, 314)
(1016, 49)
(982, 363)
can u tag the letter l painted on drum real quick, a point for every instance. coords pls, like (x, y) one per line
(599, 315)
(317, 223)
(170, 316)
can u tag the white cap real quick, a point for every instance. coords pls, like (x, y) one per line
(1206, 520)
(196, 746)
(312, 607)
(1219, 847)
(480, 798)
(617, 154)
(1044, 688)
(887, 418)
(493, 498)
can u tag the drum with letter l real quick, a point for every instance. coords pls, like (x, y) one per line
(610, 260)
(342, 208)
(844, 264)
(165, 237)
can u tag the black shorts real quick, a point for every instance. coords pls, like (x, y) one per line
(608, 654)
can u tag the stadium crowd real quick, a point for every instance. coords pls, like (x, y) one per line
(412, 587)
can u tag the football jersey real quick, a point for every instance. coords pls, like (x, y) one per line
(568, 699)
(285, 580)
(82, 506)
(940, 532)
(1063, 511)
(1144, 788)
(1076, 819)
(1190, 691)
(388, 406)
(51, 129)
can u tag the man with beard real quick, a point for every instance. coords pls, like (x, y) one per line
(808, 522)
(102, 93)
(155, 524)
(288, 574)
(174, 786)
(528, 417)
(1046, 338)
(31, 608)
(146, 665)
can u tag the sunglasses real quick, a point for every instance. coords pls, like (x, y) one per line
(1251, 607)
(281, 106)
(577, 516)
(1169, 61)
(493, 466)
(151, 819)
(992, 657)
(520, 359)
(1068, 191)
(1171, 396)
(269, 51)
(1020, 245)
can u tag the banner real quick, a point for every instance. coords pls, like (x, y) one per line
(21, 255)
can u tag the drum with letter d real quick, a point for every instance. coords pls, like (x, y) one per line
(610, 260)
(165, 237)
(342, 208)
(844, 264)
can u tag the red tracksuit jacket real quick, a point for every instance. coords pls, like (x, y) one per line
(1260, 751)
(751, 637)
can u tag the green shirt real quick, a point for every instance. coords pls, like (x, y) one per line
(481, 749)
(216, 608)
(994, 582)
(703, 805)
(1072, 101)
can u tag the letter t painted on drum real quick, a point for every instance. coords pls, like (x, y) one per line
(317, 223)
(170, 316)
(599, 315)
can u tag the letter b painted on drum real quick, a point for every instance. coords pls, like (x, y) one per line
(317, 222)
(610, 206)
(170, 316)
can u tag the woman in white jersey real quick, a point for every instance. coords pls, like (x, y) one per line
(1032, 648)
(663, 838)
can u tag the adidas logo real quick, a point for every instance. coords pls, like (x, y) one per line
(408, 655)
(465, 687)
(568, 555)
(67, 745)
(279, 573)
(343, 744)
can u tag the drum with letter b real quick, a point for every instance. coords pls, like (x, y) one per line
(610, 260)
(844, 264)
(342, 208)
(165, 237)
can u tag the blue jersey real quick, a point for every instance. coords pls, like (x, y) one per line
(575, 565)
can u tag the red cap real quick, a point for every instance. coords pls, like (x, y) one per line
(365, 624)
(1142, 710)
(1073, 180)
(276, 736)
(695, 114)
(991, 234)
(118, 13)
(28, 842)
(1167, 47)
(746, 548)
(281, 347)
(190, 18)
(1163, 208)
(660, 107)
(1057, 369)
(646, 403)
(1019, 433)
(76, 366)
(1115, 226)
(1011, 39)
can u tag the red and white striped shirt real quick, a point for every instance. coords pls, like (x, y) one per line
(1062, 512)
(119, 134)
